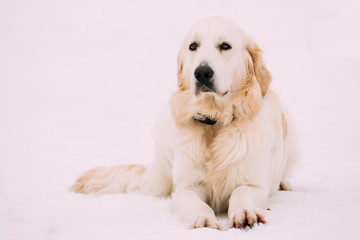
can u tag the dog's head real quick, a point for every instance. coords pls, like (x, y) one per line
(218, 57)
(221, 75)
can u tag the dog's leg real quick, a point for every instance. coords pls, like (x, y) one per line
(189, 206)
(245, 206)
(290, 150)
(157, 181)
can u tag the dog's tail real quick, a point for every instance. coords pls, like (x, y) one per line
(123, 179)
(118, 179)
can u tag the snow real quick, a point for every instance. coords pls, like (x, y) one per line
(81, 85)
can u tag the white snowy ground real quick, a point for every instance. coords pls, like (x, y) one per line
(82, 82)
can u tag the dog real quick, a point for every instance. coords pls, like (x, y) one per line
(223, 143)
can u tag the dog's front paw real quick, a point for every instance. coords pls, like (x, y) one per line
(243, 217)
(205, 221)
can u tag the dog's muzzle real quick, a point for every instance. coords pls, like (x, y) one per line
(204, 79)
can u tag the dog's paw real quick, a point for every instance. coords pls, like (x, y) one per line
(285, 186)
(206, 221)
(245, 217)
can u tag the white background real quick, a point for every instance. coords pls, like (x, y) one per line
(82, 83)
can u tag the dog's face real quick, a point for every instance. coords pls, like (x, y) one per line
(218, 57)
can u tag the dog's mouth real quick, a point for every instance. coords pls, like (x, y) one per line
(204, 89)
(205, 119)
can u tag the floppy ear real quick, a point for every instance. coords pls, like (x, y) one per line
(262, 75)
(180, 69)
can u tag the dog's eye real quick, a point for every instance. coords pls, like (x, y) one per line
(193, 46)
(224, 46)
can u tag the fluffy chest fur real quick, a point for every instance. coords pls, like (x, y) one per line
(216, 160)
(220, 158)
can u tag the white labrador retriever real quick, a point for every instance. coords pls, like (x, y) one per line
(223, 144)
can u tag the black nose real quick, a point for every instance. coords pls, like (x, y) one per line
(203, 74)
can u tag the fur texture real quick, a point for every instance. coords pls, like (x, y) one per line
(233, 165)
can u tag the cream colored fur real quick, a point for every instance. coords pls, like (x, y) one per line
(234, 165)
